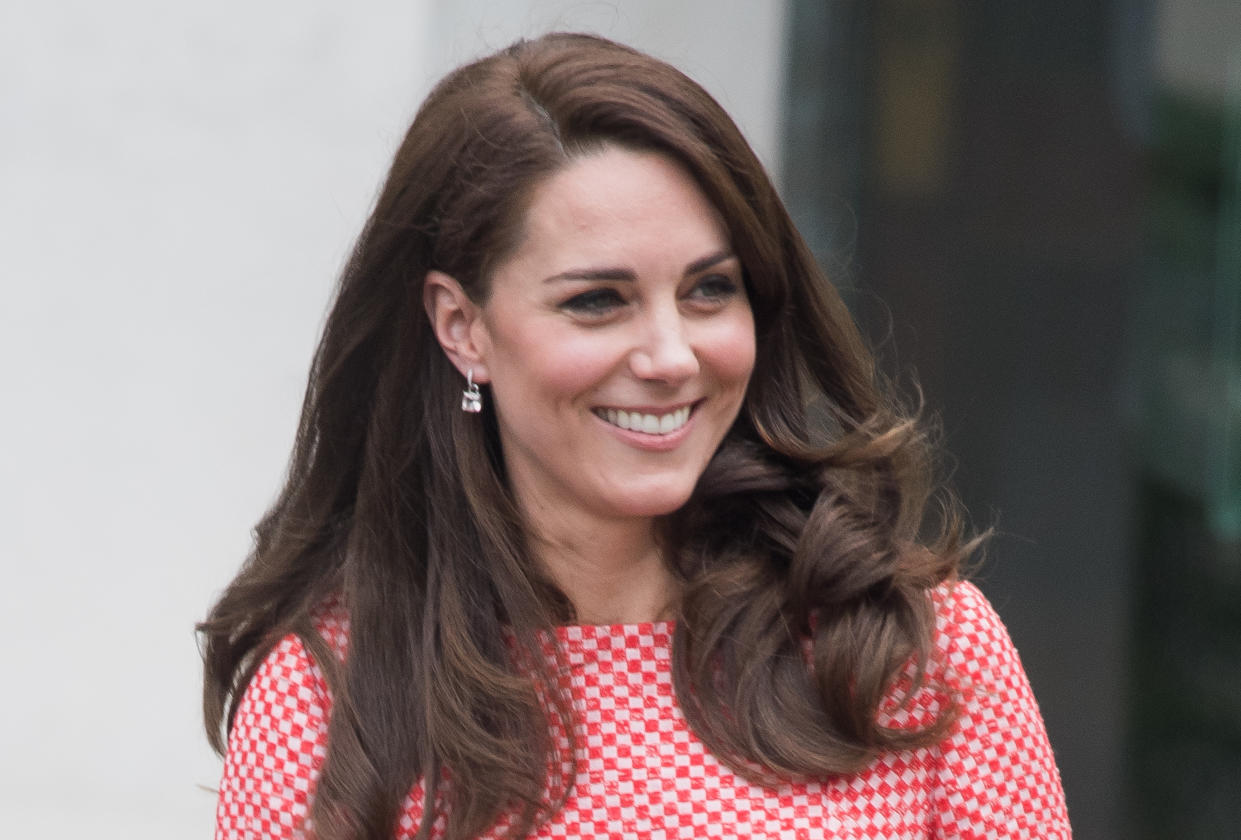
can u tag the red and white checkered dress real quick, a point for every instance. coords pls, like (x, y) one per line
(643, 775)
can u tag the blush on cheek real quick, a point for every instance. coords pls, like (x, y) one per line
(733, 353)
(570, 365)
(552, 361)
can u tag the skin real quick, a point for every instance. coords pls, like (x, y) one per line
(623, 295)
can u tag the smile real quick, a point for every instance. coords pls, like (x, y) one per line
(650, 424)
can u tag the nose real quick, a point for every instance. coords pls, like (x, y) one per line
(664, 352)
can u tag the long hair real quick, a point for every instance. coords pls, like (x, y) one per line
(807, 531)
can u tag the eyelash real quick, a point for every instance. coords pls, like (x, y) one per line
(716, 287)
(713, 288)
(596, 302)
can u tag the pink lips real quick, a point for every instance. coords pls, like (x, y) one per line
(671, 425)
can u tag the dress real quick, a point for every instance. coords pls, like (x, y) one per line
(643, 775)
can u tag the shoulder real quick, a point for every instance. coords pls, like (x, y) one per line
(997, 772)
(278, 738)
(289, 677)
(959, 600)
(972, 648)
(289, 674)
(967, 633)
(965, 622)
(276, 744)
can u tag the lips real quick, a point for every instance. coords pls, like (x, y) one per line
(648, 423)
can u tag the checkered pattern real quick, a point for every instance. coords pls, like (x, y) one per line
(644, 776)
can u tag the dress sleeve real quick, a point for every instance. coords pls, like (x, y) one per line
(275, 749)
(997, 777)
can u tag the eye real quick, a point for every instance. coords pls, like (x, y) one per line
(715, 288)
(595, 303)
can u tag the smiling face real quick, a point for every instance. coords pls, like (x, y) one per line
(617, 339)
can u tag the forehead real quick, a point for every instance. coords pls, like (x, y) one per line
(611, 203)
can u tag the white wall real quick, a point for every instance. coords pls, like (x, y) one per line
(733, 48)
(179, 185)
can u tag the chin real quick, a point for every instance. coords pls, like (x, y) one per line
(653, 502)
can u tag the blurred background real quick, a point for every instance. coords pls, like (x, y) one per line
(1035, 206)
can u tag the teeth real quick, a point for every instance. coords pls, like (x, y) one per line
(650, 424)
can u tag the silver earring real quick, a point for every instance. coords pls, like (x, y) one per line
(471, 397)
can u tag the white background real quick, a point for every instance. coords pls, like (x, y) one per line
(179, 186)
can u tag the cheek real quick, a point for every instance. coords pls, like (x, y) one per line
(551, 363)
(730, 351)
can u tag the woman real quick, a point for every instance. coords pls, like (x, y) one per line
(599, 522)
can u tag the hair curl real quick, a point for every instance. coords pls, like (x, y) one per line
(808, 524)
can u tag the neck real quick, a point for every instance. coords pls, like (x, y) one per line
(612, 572)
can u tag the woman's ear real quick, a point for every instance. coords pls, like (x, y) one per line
(456, 322)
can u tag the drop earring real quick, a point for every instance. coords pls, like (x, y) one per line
(471, 397)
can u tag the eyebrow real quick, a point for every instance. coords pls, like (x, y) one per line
(625, 274)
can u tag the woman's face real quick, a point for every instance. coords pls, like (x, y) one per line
(617, 339)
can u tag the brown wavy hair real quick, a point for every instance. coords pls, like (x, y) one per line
(807, 532)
